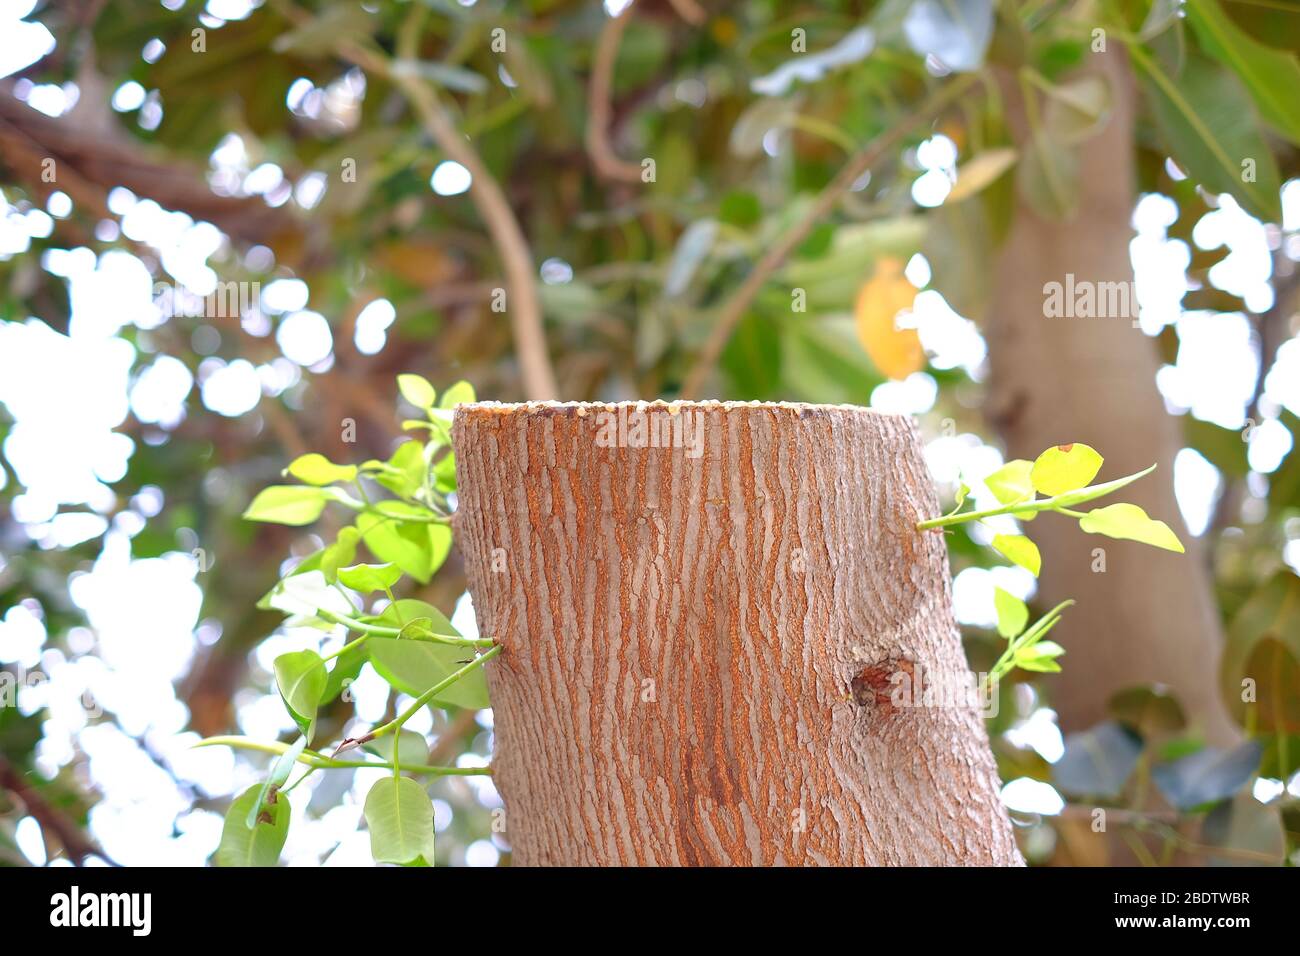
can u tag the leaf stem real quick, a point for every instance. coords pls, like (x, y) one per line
(1058, 503)
(320, 762)
(1006, 662)
(378, 630)
(396, 723)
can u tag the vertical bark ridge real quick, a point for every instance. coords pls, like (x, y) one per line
(749, 586)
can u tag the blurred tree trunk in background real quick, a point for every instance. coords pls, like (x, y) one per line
(1092, 380)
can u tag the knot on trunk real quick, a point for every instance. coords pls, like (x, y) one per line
(885, 687)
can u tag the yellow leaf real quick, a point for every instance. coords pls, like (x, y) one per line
(1131, 523)
(981, 171)
(896, 352)
(1065, 468)
(1019, 549)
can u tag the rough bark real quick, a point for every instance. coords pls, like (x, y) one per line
(1151, 616)
(698, 650)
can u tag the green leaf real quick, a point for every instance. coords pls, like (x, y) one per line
(1018, 548)
(419, 629)
(288, 504)
(301, 677)
(414, 666)
(439, 545)
(1011, 484)
(259, 844)
(1162, 14)
(1076, 110)
(411, 747)
(444, 474)
(319, 35)
(342, 551)
(1130, 523)
(462, 393)
(1065, 468)
(405, 472)
(1013, 615)
(417, 390)
(1264, 646)
(367, 578)
(1271, 76)
(276, 779)
(406, 545)
(1040, 657)
(346, 668)
(316, 469)
(400, 817)
(1209, 126)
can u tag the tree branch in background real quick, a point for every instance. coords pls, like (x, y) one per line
(525, 305)
(75, 843)
(861, 162)
(88, 164)
(599, 108)
(690, 11)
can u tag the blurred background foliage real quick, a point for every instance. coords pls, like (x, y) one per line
(653, 155)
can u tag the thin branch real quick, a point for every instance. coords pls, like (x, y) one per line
(599, 108)
(319, 761)
(87, 164)
(690, 11)
(486, 193)
(75, 843)
(866, 158)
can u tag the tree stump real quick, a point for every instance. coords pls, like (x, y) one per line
(712, 615)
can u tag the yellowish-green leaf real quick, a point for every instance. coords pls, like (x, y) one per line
(1048, 649)
(287, 504)
(1011, 484)
(259, 844)
(342, 551)
(399, 815)
(1271, 76)
(1130, 523)
(370, 577)
(1018, 548)
(316, 469)
(962, 491)
(1040, 657)
(1013, 615)
(301, 677)
(417, 390)
(1207, 120)
(462, 393)
(1065, 468)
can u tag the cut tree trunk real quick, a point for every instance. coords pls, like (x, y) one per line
(708, 648)
(1150, 616)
